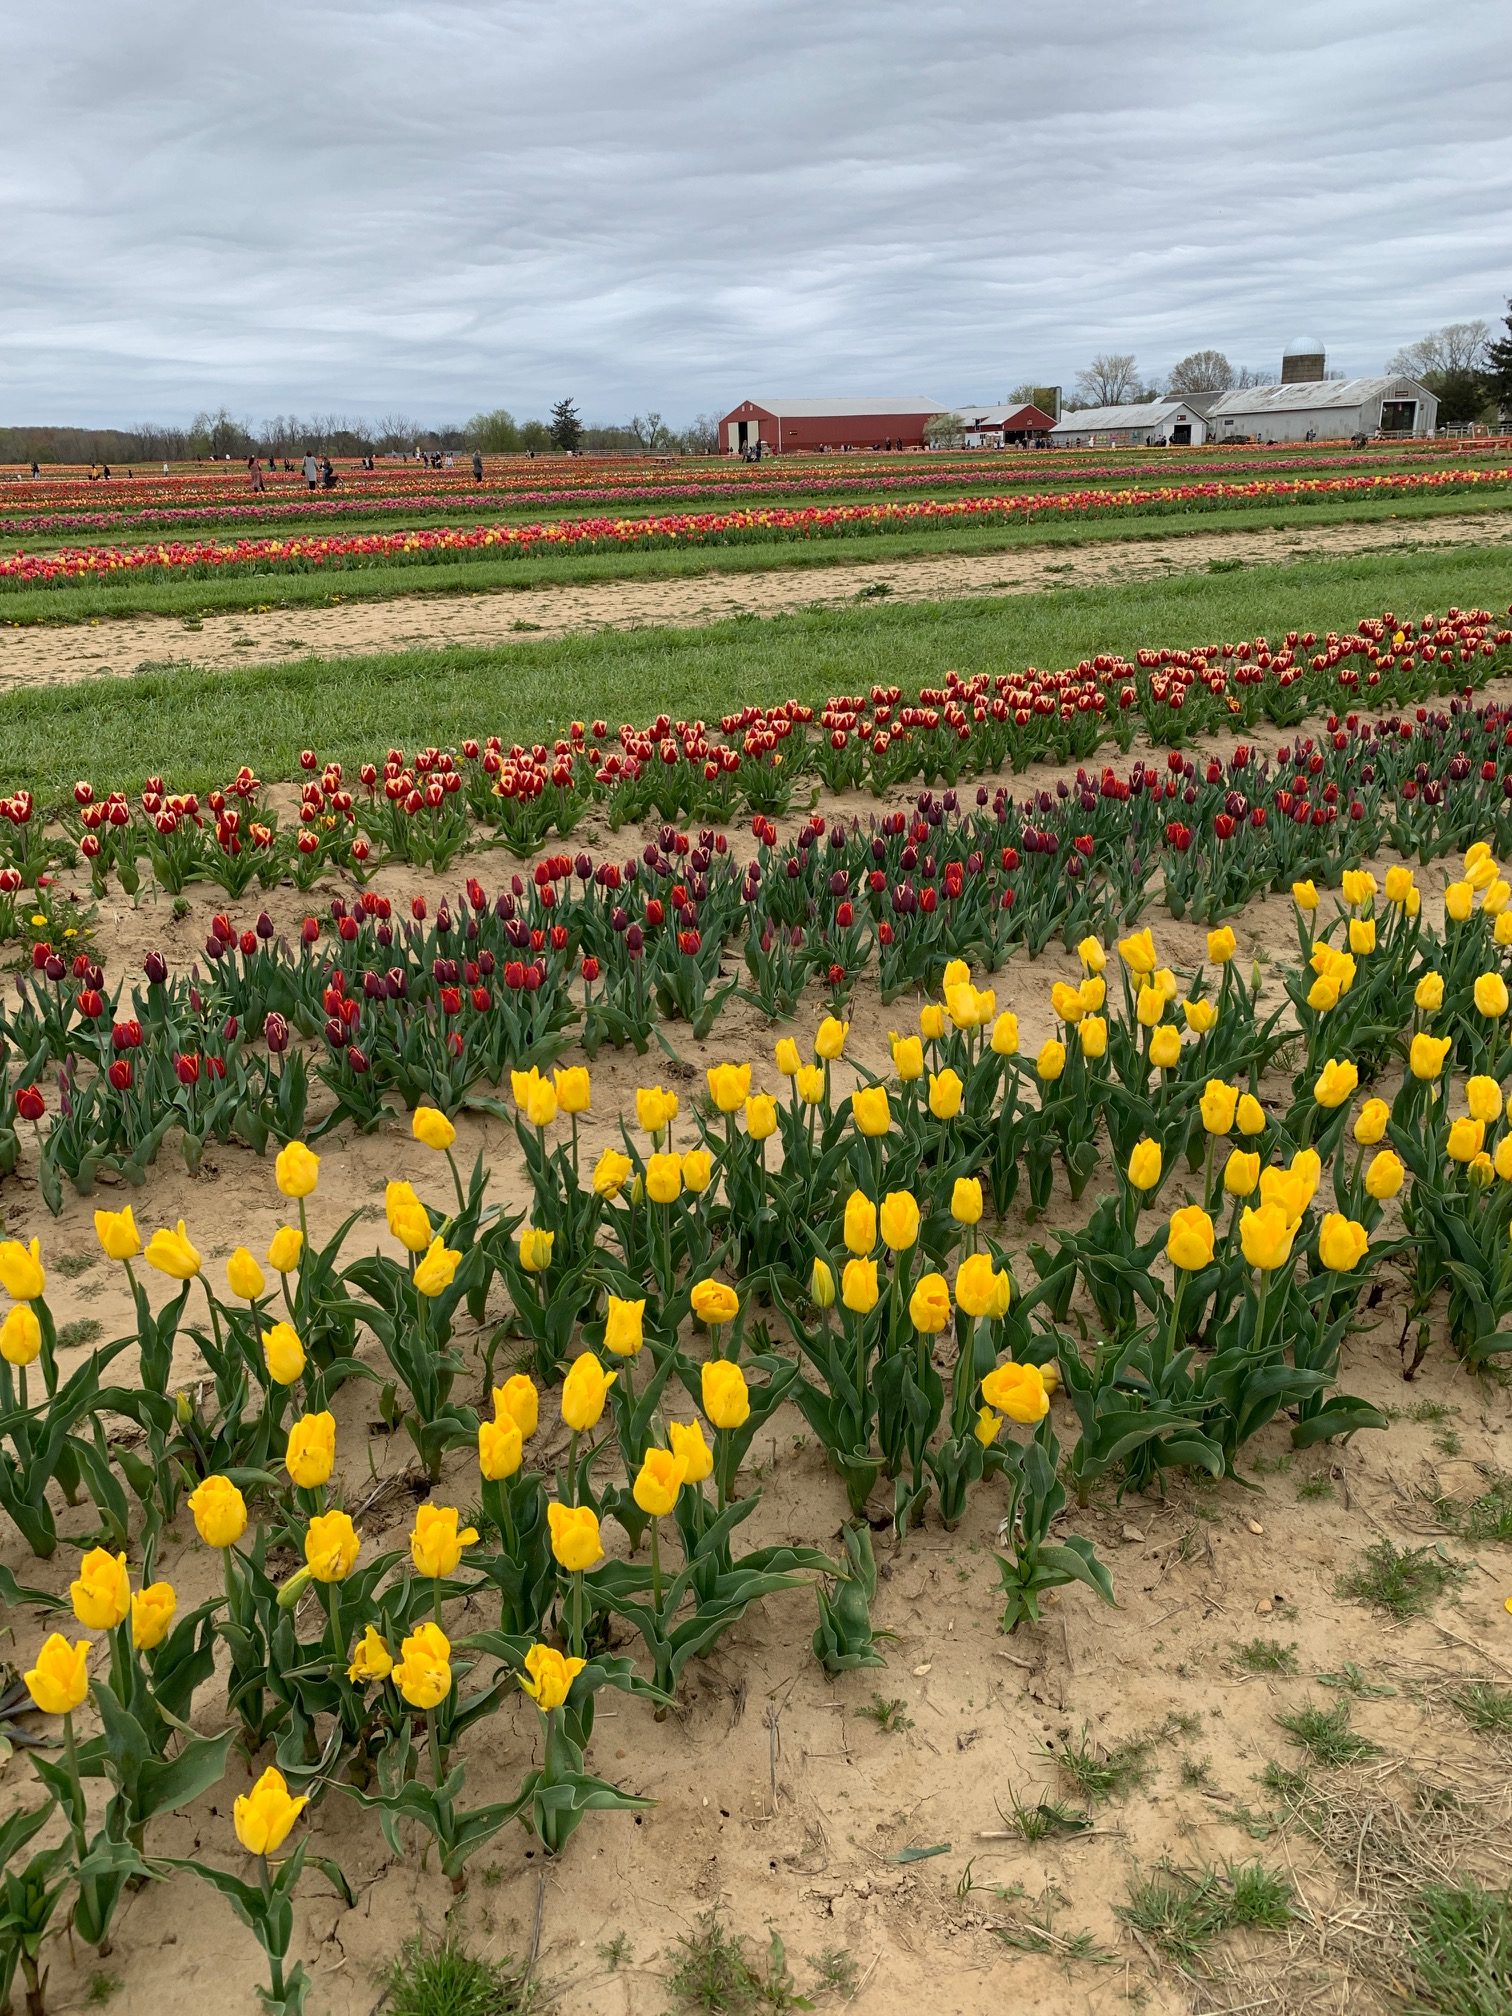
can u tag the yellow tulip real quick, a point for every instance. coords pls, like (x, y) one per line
(1051, 1061)
(611, 1173)
(117, 1234)
(1092, 1035)
(1358, 885)
(548, 1676)
(1017, 1391)
(898, 1221)
(1241, 1173)
(1341, 1242)
(1426, 1055)
(932, 1021)
(1250, 1114)
(152, 1611)
(1066, 1002)
(761, 1116)
(1165, 1048)
(829, 1041)
(20, 1335)
(573, 1087)
(625, 1325)
(1336, 1083)
(655, 1108)
(101, 1596)
(870, 1111)
(1484, 1098)
(437, 1540)
(1323, 995)
(518, 1399)
(908, 1057)
(1189, 1242)
(332, 1544)
(1221, 945)
(1137, 951)
(976, 1285)
(1005, 1035)
(1370, 1122)
(945, 1092)
(59, 1681)
(243, 1275)
(726, 1398)
(1145, 1164)
(310, 1455)
(929, 1304)
(285, 1248)
(1092, 955)
(371, 1659)
(1399, 886)
(1385, 1175)
(296, 1170)
(1458, 899)
(423, 1673)
(729, 1086)
(575, 1539)
(1218, 1106)
(860, 1222)
(584, 1391)
(1200, 1016)
(284, 1353)
(436, 1271)
(809, 1084)
(957, 974)
(788, 1060)
(1266, 1236)
(1501, 931)
(432, 1129)
(541, 1106)
(687, 1439)
(1304, 895)
(22, 1274)
(1149, 1007)
(535, 1248)
(1466, 1139)
(822, 1285)
(858, 1286)
(220, 1512)
(658, 1481)
(1491, 995)
(171, 1254)
(966, 1201)
(715, 1303)
(1428, 995)
(1362, 935)
(501, 1449)
(264, 1816)
(987, 1426)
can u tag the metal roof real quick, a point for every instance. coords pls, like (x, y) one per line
(994, 416)
(1104, 418)
(1325, 394)
(847, 409)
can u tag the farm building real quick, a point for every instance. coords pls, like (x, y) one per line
(1004, 426)
(1326, 409)
(1158, 423)
(783, 426)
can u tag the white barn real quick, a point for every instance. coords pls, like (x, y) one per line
(1157, 424)
(1325, 409)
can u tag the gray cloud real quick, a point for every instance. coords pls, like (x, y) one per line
(450, 204)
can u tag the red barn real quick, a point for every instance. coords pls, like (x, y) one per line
(783, 426)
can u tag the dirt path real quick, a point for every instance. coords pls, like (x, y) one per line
(30, 657)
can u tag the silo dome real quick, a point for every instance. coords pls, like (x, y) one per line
(1303, 346)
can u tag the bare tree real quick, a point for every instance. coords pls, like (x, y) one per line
(1458, 346)
(649, 432)
(944, 430)
(1109, 380)
(701, 435)
(1247, 377)
(1202, 371)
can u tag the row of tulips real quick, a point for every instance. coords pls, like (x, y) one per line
(1224, 1269)
(427, 807)
(71, 507)
(170, 560)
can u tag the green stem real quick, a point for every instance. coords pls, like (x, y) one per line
(275, 1959)
(76, 1816)
(656, 1570)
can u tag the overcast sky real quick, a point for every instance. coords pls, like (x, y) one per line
(434, 208)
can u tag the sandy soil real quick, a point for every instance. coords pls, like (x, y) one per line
(37, 656)
(779, 1801)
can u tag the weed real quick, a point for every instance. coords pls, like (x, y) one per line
(1326, 1735)
(888, 1715)
(1046, 1817)
(1180, 1910)
(83, 1330)
(1037, 1934)
(1485, 1706)
(616, 1952)
(71, 1265)
(1266, 1655)
(1350, 1680)
(101, 1988)
(1315, 1487)
(1488, 1517)
(1447, 1442)
(180, 909)
(1196, 1771)
(1403, 1582)
(835, 1970)
(1105, 1774)
(447, 1980)
(711, 1975)
(1460, 1945)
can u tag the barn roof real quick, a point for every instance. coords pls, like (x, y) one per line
(1324, 394)
(998, 416)
(1154, 413)
(846, 409)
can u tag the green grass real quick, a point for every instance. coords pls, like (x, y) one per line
(1266, 1655)
(1460, 1946)
(1485, 1706)
(485, 571)
(447, 1980)
(1181, 1911)
(713, 1975)
(1403, 1583)
(1485, 1517)
(1325, 1734)
(197, 726)
(1100, 1773)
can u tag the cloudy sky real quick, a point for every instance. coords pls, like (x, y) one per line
(446, 205)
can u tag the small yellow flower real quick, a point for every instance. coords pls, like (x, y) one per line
(548, 1676)
(311, 1452)
(101, 1595)
(584, 1392)
(59, 1681)
(809, 1084)
(501, 1449)
(371, 1659)
(1189, 1242)
(423, 1674)
(1145, 1164)
(436, 1271)
(611, 1173)
(220, 1512)
(332, 1544)
(966, 1201)
(518, 1399)
(661, 1476)
(729, 1086)
(1005, 1035)
(171, 1254)
(726, 1397)
(829, 1041)
(945, 1093)
(575, 1539)
(1221, 945)
(1165, 1048)
(285, 1248)
(715, 1303)
(535, 1248)
(761, 1116)
(117, 1234)
(20, 1335)
(1336, 1083)
(870, 1110)
(1371, 1122)
(1051, 1061)
(858, 1286)
(437, 1540)
(624, 1325)
(908, 1057)
(687, 1439)
(243, 1276)
(284, 1353)
(296, 1170)
(1017, 1391)
(152, 1611)
(432, 1129)
(574, 1089)
(898, 1220)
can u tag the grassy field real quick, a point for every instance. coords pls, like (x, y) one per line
(485, 573)
(196, 727)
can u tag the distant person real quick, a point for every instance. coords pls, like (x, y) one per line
(327, 474)
(36, 469)
(477, 466)
(311, 469)
(255, 473)
(165, 468)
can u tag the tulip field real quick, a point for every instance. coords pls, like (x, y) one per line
(850, 1352)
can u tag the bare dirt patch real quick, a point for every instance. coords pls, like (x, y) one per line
(44, 657)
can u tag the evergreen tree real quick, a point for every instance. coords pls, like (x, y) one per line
(566, 426)
(1499, 364)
